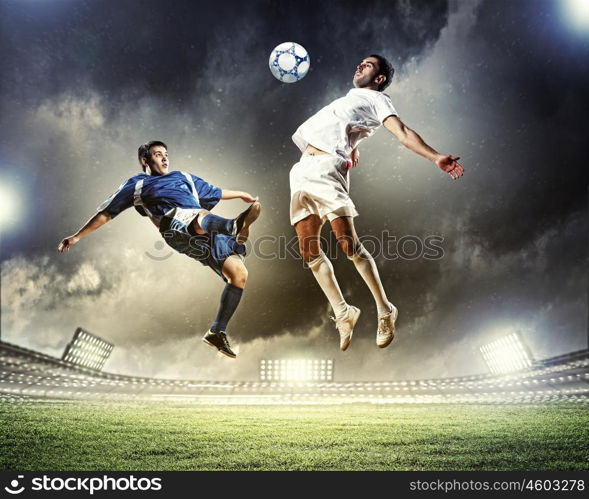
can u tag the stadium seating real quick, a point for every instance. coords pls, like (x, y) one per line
(29, 375)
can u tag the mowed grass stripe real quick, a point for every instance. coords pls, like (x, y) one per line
(155, 436)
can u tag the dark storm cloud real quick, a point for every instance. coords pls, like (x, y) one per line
(133, 49)
(500, 83)
(533, 79)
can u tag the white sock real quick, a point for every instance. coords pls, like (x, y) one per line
(367, 269)
(323, 272)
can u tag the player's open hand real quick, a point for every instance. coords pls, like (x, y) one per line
(248, 198)
(67, 243)
(450, 165)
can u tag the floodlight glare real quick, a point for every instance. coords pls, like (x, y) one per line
(505, 355)
(296, 370)
(9, 205)
(87, 350)
(578, 13)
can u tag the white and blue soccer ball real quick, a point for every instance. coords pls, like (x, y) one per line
(289, 62)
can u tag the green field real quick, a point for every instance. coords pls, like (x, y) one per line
(157, 436)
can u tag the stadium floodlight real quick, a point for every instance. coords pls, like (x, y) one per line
(296, 370)
(87, 350)
(507, 354)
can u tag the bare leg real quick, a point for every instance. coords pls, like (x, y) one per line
(235, 272)
(196, 222)
(345, 233)
(308, 231)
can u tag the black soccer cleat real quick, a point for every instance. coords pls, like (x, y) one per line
(220, 342)
(242, 223)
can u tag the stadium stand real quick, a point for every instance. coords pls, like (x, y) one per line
(28, 375)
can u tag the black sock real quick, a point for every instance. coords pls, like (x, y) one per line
(230, 299)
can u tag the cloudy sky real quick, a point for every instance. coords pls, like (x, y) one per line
(499, 83)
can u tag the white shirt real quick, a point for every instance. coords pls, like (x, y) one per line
(340, 126)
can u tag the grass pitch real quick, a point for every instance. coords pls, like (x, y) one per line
(156, 436)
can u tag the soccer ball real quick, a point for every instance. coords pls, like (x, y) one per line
(289, 62)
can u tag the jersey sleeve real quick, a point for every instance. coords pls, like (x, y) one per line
(120, 200)
(208, 194)
(383, 107)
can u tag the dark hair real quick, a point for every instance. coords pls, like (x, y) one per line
(144, 150)
(384, 68)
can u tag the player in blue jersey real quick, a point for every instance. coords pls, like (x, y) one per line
(179, 204)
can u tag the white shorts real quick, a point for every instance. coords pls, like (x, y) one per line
(319, 185)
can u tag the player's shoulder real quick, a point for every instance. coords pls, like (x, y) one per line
(378, 95)
(382, 103)
(135, 178)
(384, 96)
(190, 174)
(179, 173)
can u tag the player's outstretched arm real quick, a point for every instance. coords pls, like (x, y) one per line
(411, 140)
(90, 226)
(246, 197)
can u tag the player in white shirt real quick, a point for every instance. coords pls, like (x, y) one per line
(319, 185)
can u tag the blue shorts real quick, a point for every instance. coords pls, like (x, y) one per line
(209, 249)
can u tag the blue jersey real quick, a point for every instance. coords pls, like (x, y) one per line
(154, 196)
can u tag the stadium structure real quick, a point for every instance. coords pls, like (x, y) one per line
(27, 375)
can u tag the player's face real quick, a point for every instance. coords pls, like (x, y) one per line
(366, 72)
(158, 162)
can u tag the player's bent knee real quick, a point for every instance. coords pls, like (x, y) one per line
(309, 255)
(349, 245)
(238, 277)
(309, 249)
